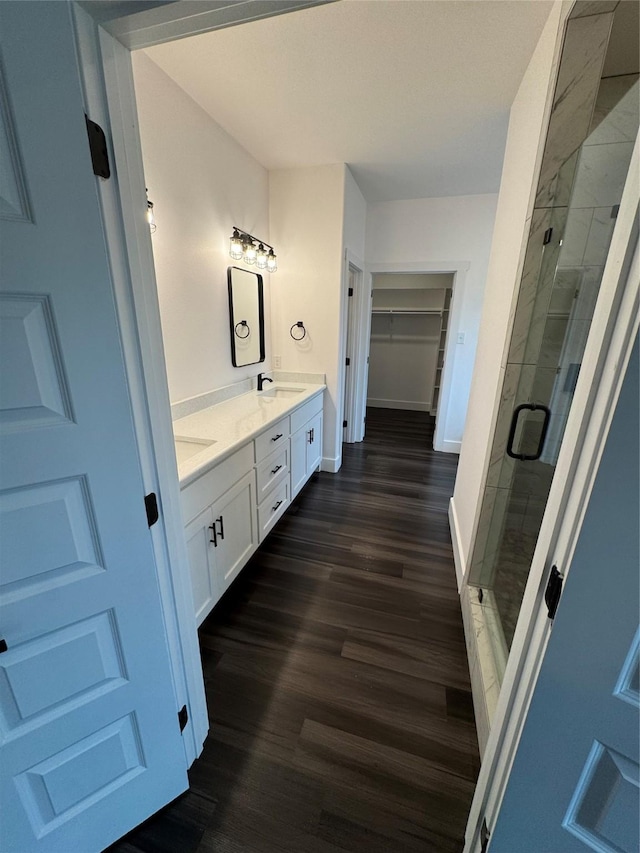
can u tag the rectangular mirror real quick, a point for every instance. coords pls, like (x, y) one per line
(246, 312)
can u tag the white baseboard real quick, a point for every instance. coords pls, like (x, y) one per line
(458, 555)
(447, 446)
(331, 465)
(407, 405)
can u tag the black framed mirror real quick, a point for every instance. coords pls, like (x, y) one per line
(246, 315)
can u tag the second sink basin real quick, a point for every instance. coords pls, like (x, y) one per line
(188, 447)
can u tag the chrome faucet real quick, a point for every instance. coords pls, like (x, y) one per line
(262, 379)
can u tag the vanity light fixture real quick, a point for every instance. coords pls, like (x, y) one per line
(245, 247)
(150, 217)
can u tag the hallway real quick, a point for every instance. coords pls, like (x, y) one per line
(336, 673)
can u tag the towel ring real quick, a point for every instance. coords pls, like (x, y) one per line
(298, 325)
(243, 325)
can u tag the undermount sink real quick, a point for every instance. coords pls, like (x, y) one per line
(281, 393)
(188, 447)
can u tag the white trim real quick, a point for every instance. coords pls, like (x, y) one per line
(613, 331)
(331, 465)
(354, 412)
(458, 551)
(449, 446)
(459, 270)
(105, 68)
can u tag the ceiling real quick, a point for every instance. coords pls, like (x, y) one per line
(413, 94)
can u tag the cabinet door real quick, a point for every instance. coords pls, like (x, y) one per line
(313, 436)
(298, 460)
(235, 530)
(199, 537)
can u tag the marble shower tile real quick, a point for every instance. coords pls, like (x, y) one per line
(581, 63)
(601, 174)
(576, 236)
(600, 234)
(616, 113)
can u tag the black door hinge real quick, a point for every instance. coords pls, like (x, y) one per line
(547, 236)
(183, 717)
(344, 423)
(484, 836)
(347, 361)
(98, 149)
(151, 506)
(553, 592)
(350, 291)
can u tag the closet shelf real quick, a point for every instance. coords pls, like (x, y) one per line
(433, 311)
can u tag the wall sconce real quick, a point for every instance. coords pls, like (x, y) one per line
(150, 217)
(245, 247)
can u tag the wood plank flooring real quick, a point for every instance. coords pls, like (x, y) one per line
(336, 674)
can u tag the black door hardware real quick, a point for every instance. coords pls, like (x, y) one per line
(3, 646)
(276, 469)
(220, 521)
(98, 149)
(183, 717)
(529, 407)
(553, 592)
(212, 528)
(547, 236)
(276, 437)
(151, 506)
(484, 836)
(274, 508)
(347, 361)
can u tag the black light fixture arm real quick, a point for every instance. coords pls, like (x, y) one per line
(244, 235)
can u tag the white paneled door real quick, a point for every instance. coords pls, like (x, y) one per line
(91, 743)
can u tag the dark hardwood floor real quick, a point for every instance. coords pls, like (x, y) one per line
(336, 673)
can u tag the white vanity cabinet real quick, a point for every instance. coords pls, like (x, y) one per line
(222, 536)
(272, 474)
(306, 443)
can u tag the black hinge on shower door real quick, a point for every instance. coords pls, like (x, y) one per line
(347, 361)
(547, 236)
(98, 149)
(553, 592)
(151, 506)
(183, 717)
(350, 291)
(344, 423)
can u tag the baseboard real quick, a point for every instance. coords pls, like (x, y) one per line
(407, 405)
(447, 446)
(458, 554)
(331, 465)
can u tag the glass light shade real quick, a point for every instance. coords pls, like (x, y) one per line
(150, 217)
(272, 264)
(250, 252)
(261, 257)
(235, 247)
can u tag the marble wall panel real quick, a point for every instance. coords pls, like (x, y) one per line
(592, 7)
(615, 117)
(575, 96)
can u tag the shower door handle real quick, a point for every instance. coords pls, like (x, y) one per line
(528, 407)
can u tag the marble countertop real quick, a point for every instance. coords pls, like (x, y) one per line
(206, 437)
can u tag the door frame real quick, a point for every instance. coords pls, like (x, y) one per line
(355, 347)
(614, 327)
(459, 271)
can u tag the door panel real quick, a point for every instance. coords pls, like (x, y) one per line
(91, 744)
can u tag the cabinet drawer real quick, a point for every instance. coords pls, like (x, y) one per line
(272, 508)
(200, 494)
(306, 412)
(275, 436)
(272, 470)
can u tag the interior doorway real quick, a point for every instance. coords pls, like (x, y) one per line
(410, 318)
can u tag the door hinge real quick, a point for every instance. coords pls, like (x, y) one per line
(98, 149)
(347, 361)
(547, 236)
(553, 591)
(344, 423)
(484, 836)
(350, 291)
(183, 717)
(151, 506)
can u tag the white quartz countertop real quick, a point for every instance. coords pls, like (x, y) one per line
(221, 429)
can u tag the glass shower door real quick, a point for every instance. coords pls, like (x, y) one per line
(567, 250)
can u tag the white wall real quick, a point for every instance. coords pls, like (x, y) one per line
(441, 235)
(306, 211)
(524, 147)
(202, 183)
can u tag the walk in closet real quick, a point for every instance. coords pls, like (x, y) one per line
(409, 322)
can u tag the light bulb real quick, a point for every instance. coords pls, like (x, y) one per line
(235, 246)
(272, 264)
(261, 257)
(250, 252)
